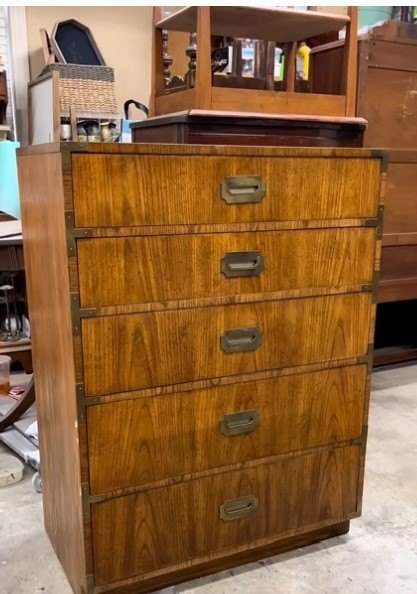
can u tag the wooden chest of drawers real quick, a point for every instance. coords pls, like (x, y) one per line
(202, 335)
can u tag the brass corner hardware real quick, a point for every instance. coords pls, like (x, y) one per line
(375, 283)
(368, 358)
(373, 287)
(69, 231)
(73, 233)
(380, 224)
(90, 584)
(85, 495)
(77, 313)
(66, 153)
(377, 221)
(371, 349)
(362, 440)
(83, 402)
(383, 155)
(88, 500)
(80, 396)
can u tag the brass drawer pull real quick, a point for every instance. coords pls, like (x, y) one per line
(242, 507)
(241, 339)
(243, 189)
(240, 422)
(236, 264)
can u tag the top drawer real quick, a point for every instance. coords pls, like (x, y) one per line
(126, 190)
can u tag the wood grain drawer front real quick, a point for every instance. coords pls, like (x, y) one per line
(133, 443)
(128, 270)
(163, 527)
(151, 349)
(126, 190)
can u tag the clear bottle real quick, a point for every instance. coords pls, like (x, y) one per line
(248, 57)
(81, 133)
(94, 132)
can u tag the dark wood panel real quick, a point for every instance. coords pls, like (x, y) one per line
(322, 138)
(131, 443)
(326, 68)
(197, 127)
(401, 199)
(153, 532)
(392, 56)
(151, 349)
(392, 355)
(165, 268)
(187, 189)
(397, 290)
(391, 109)
(399, 263)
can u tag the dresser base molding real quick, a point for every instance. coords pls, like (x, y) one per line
(134, 586)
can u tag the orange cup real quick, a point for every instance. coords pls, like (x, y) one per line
(4, 375)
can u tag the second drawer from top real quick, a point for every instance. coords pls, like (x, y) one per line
(137, 270)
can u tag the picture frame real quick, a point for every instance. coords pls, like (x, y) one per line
(73, 43)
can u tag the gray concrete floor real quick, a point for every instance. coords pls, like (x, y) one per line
(378, 556)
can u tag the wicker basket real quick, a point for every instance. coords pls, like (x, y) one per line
(85, 88)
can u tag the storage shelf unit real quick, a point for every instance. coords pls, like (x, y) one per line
(271, 24)
(278, 25)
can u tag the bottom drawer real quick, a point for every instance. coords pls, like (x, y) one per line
(154, 531)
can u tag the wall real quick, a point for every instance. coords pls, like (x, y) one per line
(123, 35)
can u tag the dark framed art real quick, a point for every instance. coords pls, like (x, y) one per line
(73, 43)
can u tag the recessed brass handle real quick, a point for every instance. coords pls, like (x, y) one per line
(243, 189)
(236, 264)
(245, 421)
(241, 339)
(242, 507)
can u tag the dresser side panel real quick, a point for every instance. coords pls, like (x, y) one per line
(44, 236)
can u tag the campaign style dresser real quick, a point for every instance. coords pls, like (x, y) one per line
(202, 322)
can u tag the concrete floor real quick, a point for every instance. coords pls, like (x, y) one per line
(378, 556)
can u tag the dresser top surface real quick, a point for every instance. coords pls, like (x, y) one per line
(190, 150)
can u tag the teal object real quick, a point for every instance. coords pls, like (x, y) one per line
(369, 15)
(9, 187)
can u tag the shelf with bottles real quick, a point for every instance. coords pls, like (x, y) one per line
(89, 127)
(14, 323)
(250, 59)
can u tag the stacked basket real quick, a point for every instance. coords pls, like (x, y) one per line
(85, 88)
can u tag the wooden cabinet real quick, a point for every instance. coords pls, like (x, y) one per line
(260, 93)
(202, 351)
(3, 97)
(386, 97)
